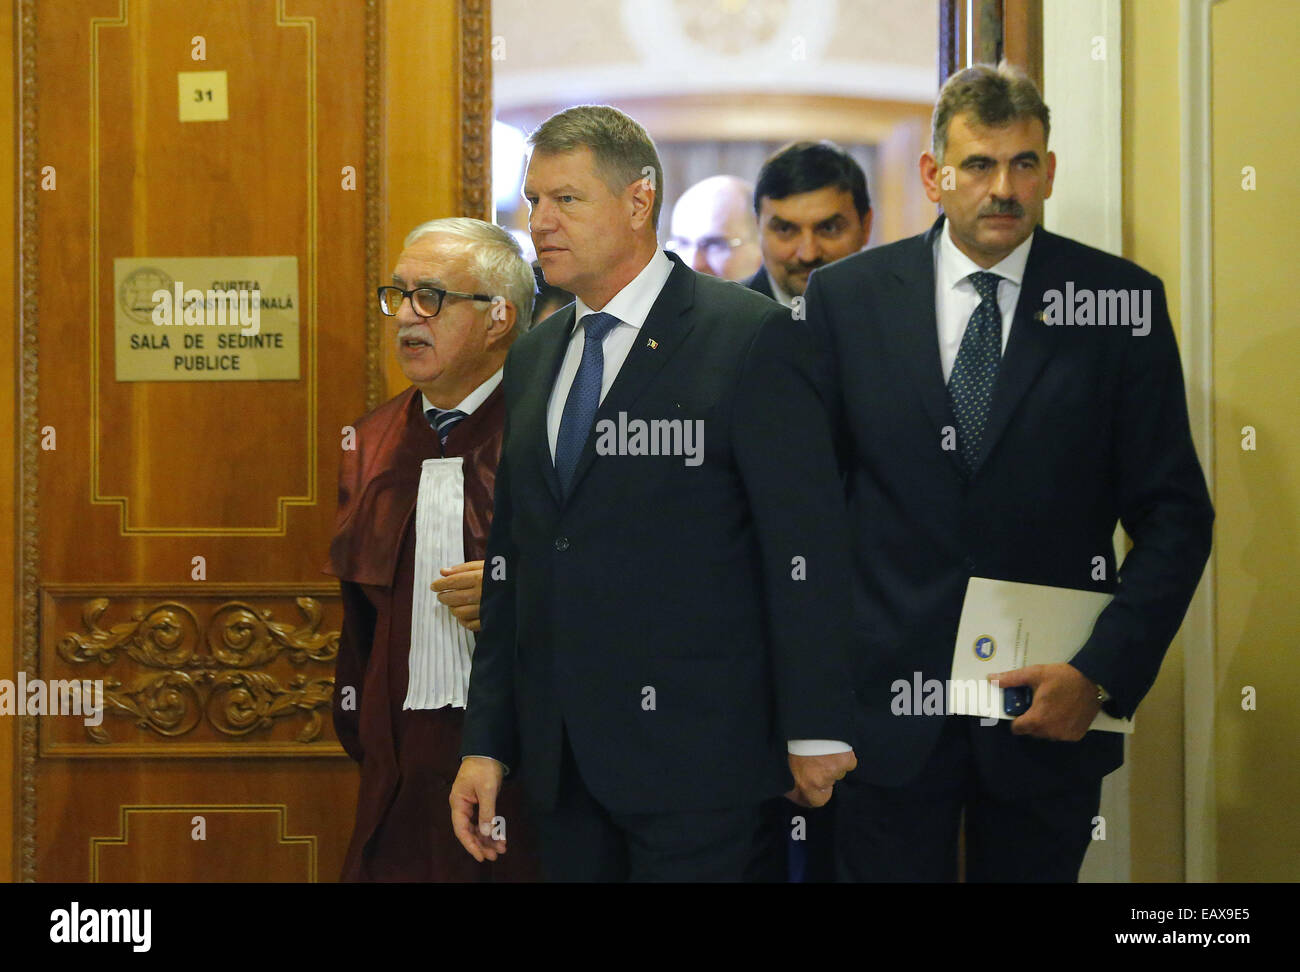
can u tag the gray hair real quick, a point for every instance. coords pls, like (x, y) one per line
(495, 259)
(996, 95)
(623, 150)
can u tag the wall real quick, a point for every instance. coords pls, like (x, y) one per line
(1256, 493)
(1151, 230)
(8, 409)
(1256, 361)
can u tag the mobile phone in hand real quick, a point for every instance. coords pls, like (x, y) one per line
(1016, 700)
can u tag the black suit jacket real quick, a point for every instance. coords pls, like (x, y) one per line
(1087, 426)
(680, 622)
(760, 283)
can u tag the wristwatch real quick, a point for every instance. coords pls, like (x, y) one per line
(1102, 695)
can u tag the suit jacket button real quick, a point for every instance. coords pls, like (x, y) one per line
(970, 564)
(561, 544)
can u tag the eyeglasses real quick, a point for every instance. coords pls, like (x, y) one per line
(425, 301)
(714, 246)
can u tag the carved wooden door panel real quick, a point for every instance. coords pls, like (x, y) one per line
(180, 476)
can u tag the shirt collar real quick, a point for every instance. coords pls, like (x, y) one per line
(632, 304)
(778, 292)
(955, 266)
(474, 399)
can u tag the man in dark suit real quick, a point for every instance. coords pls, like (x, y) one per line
(984, 433)
(665, 597)
(813, 209)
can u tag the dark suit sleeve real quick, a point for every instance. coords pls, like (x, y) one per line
(784, 451)
(490, 727)
(1165, 508)
(355, 642)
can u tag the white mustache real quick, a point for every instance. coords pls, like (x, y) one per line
(422, 333)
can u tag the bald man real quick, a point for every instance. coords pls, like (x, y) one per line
(714, 230)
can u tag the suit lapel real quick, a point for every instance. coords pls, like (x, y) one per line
(663, 331)
(533, 410)
(1028, 345)
(915, 338)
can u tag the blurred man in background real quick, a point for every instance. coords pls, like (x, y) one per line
(549, 299)
(712, 230)
(813, 209)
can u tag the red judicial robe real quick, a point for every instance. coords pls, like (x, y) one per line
(408, 757)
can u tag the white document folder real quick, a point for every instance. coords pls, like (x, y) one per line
(1005, 625)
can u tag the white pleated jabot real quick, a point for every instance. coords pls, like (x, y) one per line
(440, 646)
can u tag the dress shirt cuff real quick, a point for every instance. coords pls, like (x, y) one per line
(493, 758)
(817, 747)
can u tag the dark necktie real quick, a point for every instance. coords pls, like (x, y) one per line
(970, 386)
(444, 420)
(584, 398)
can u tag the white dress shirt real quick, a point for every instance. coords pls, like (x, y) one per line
(778, 292)
(474, 399)
(955, 298)
(631, 306)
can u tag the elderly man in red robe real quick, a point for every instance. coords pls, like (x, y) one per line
(415, 505)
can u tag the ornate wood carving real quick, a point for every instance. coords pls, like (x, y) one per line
(208, 668)
(475, 108)
(374, 203)
(28, 538)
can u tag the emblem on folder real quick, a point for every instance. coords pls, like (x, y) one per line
(985, 647)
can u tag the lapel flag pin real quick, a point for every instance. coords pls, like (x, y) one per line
(1038, 316)
(651, 343)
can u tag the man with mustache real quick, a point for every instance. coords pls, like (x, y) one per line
(813, 209)
(979, 440)
(415, 505)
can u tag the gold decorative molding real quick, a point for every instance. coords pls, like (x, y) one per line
(374, 202)
(127, 811)
(475, 22)
(28, 536)
(202, 673)
(307, 498)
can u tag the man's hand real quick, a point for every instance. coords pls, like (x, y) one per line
(1064, 702)
(814, 776)
(461, 589)
(477, 783)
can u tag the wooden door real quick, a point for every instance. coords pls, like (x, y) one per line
(178, 500)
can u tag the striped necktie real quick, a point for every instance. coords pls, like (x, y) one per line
(444, 420)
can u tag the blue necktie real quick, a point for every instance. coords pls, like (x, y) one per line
(444, 420)
(584, 398)
(976, 369)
